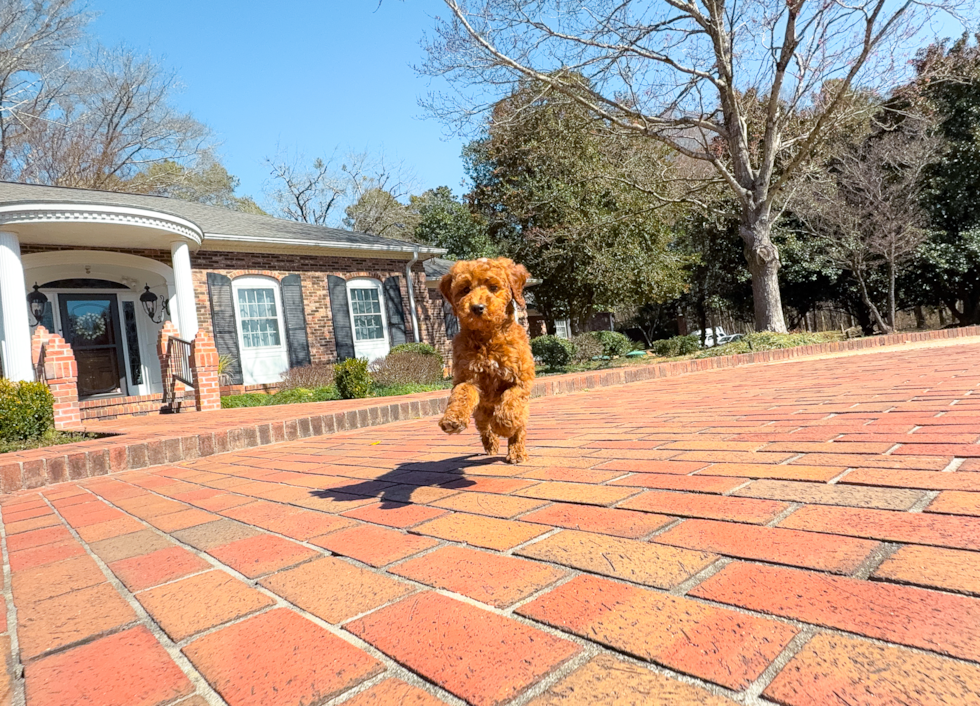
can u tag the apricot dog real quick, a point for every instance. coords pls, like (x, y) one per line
(493, 368)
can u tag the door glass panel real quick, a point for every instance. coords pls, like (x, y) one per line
(258, 318)
(133, 343)
(365, 305)
(89, 322)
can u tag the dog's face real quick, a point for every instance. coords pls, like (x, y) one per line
(483, 292)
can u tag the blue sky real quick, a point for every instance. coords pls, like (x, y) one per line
(311, 75)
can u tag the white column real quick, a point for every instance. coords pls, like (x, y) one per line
(184, 284)
(16, 333)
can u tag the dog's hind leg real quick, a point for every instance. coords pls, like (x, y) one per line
(462, 401)
(483, 418)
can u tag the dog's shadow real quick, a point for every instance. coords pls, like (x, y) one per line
(395, 487)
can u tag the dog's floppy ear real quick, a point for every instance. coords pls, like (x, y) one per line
(518, 278)
(446, 287)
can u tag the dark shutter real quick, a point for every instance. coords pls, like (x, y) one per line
(295, 318)
(224, 326)
(342, 332)
(396, 314)
(452, 323)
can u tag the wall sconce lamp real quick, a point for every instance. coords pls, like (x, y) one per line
(37, 301)
(150, 301)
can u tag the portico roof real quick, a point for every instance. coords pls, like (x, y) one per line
(23, 207)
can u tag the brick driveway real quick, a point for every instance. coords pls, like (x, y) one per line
(805, 533)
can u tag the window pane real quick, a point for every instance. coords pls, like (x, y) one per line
(258, 318)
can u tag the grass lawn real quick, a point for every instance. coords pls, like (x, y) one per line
(50, 438)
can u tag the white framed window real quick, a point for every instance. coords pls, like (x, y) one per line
(258, 316)
(365, 305)
(369, 321)
(563, 328)
(261, 331)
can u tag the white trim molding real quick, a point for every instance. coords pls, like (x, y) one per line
(81, 213)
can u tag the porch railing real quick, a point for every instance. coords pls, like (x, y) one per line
(178, 369)
(39, 374)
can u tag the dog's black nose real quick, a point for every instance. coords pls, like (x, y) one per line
(478, 308)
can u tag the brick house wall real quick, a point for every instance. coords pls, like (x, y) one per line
(313, 271)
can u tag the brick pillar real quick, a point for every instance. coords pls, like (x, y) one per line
(61, 374)
(204, 368)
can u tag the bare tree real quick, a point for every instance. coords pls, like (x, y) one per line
(866, 210)
(350, 193)
(752, 89)
(35, 43)
(114, 118)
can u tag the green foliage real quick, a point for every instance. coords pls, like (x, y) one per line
(26, 410)
(678, 345)
(249, 399)
(559, 190)
(407, 368)
(49, 438)
(209, 183)
(292, 396)
(446, 223)
(409, 388)
(587, 347)
(378, 212)
(420, 348)
(556, 353)
(352, 378)
(287, 396)
(613, 343)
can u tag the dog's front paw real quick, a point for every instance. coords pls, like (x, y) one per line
(515, 456)
(452, 425)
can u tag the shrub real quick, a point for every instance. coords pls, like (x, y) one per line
(26, 410)
(407, 368)
(249, 399)
(678, 345)
(352, 378)
(554, 352)
(613, 343)
(308, 377)
(292, 395)
(587, 347)
(420, 349)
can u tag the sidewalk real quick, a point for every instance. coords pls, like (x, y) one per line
(806, 533)
(142, 442)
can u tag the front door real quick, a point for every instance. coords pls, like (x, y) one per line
(90, 323)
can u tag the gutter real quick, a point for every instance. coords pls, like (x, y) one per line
(411, 293)
(323, 244)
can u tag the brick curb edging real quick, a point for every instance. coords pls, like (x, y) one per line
(26, 470)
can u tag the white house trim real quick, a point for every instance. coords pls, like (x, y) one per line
(79, 213)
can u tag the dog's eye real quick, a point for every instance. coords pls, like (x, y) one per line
(464, 291)
(493, 288)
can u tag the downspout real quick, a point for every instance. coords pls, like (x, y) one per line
(411, 293)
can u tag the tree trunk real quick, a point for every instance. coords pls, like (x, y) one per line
(891, 294)
(920, 317)
(763, 259)
(866, 299)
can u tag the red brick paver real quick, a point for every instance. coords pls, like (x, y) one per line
(803, 533)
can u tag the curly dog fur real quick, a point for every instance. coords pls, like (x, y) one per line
(493, 368)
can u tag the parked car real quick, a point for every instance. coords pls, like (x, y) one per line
(716, 337)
